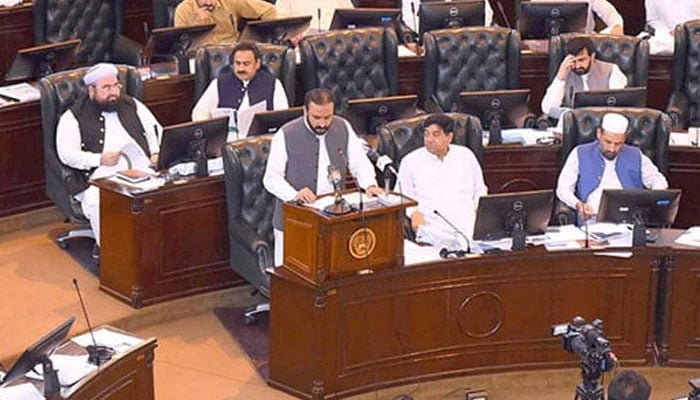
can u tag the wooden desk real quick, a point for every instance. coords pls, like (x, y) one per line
(16, 31)
(169, 243)
(475, 316)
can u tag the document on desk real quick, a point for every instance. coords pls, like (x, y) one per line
(21, 92)
(245, 116)
(691, 237)
(120, 342)
(70, 369)
(24, 391)
(415, 254)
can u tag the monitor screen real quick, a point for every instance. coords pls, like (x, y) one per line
(175, 41)
(507, 108)
(653, 208)
(36, 62)
(193, 141)
(626, 97)
(270, 121)
(498, 215)
(366, 115)
(275, 31)
(456, 14)
(351, 18)
(542, 20)
(41, 348)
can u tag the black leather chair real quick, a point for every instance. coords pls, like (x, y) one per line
(353, 63)
(250, 208)
(164, 13)
(648, 129)
(58, 92)
(279, 60)
(468, 59)
(684, 105)
(98, 23)
(631, 54)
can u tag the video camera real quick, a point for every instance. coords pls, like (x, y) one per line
(586, 340)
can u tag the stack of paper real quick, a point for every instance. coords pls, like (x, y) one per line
(690, 237)
(20, 92)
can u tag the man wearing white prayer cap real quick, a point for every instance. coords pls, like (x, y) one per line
(606, 163)
(91, 134)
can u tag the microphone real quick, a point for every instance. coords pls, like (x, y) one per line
(146, 31)
(457, 230)
(97, 354)
(341, 153)
(383, 162)
(413, 15)
(434, 99)
(499, 5)
(335, 178)
(318, 12)
(585, 230)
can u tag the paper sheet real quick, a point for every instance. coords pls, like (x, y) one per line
(20, 91)
(107, 337)
(24, 391)
(245, 117)
(70, 369)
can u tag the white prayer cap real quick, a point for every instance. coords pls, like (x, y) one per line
(614, 123)
(98, 72)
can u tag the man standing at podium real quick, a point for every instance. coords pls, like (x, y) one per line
(305, 151)
(92, 133)
(442, 177)
(606, 163)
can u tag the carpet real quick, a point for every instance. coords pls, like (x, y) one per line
(80, 250)
(252, 338)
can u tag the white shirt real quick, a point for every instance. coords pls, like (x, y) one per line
(276, 183)
(414, 23)
(68, 141)
(568, 177)
(603, 9)
(554, 95)
(452, 186)
(295, 8)
(664, 15)
(210, 100)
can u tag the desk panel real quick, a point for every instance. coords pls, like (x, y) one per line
(16, 31)
(454, 318)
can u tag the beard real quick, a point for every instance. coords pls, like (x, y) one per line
(609, 155)
(109, 105)
(318, 130)
(582, 70)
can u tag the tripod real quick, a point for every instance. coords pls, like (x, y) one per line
(590, 388)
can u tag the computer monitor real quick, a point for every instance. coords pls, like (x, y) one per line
(626, 97)
(499, 215)
(351, 18)
(176, 42)
(38, 353)
(276, 31)
(36, 62)
(270, 121)
(652, 208)
(498, 109)
(542, 20)
(366, 115)
(456, 14)
(193, 141)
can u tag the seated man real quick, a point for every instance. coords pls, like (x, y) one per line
(604, 10)
(322, 9)
(242, 85)
(629, 385)
(663, 16)
(302, 153)
(578, 71)
(606, 163)
(226, 14)
(93, 131)
(442, 177)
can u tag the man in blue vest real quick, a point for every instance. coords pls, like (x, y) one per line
(606, 163)
(303, 153)
(242, 85)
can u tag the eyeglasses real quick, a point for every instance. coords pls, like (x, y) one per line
(110, 88)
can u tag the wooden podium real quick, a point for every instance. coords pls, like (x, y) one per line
(320, 246)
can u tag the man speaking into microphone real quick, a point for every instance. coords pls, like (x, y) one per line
(302, 151)
(446, 180)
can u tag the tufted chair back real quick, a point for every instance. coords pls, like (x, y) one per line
(279, 60)
(164, 13)
(648, 129)
(631, 54)
(250, 208)
(400, 137)
(58, 92)
(684, 105)
(98, 23)
(352, 63)
(468, 59)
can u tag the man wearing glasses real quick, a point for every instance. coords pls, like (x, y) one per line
(94, 130)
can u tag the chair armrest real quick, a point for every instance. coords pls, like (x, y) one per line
(543, 122)
(408, 232)
(240, 232)
(562, 214)
(678, 110)
(126, 51)
(405, 33)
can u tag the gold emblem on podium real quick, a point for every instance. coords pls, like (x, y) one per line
(362, 243)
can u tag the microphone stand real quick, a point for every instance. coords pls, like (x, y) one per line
(457, 231)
